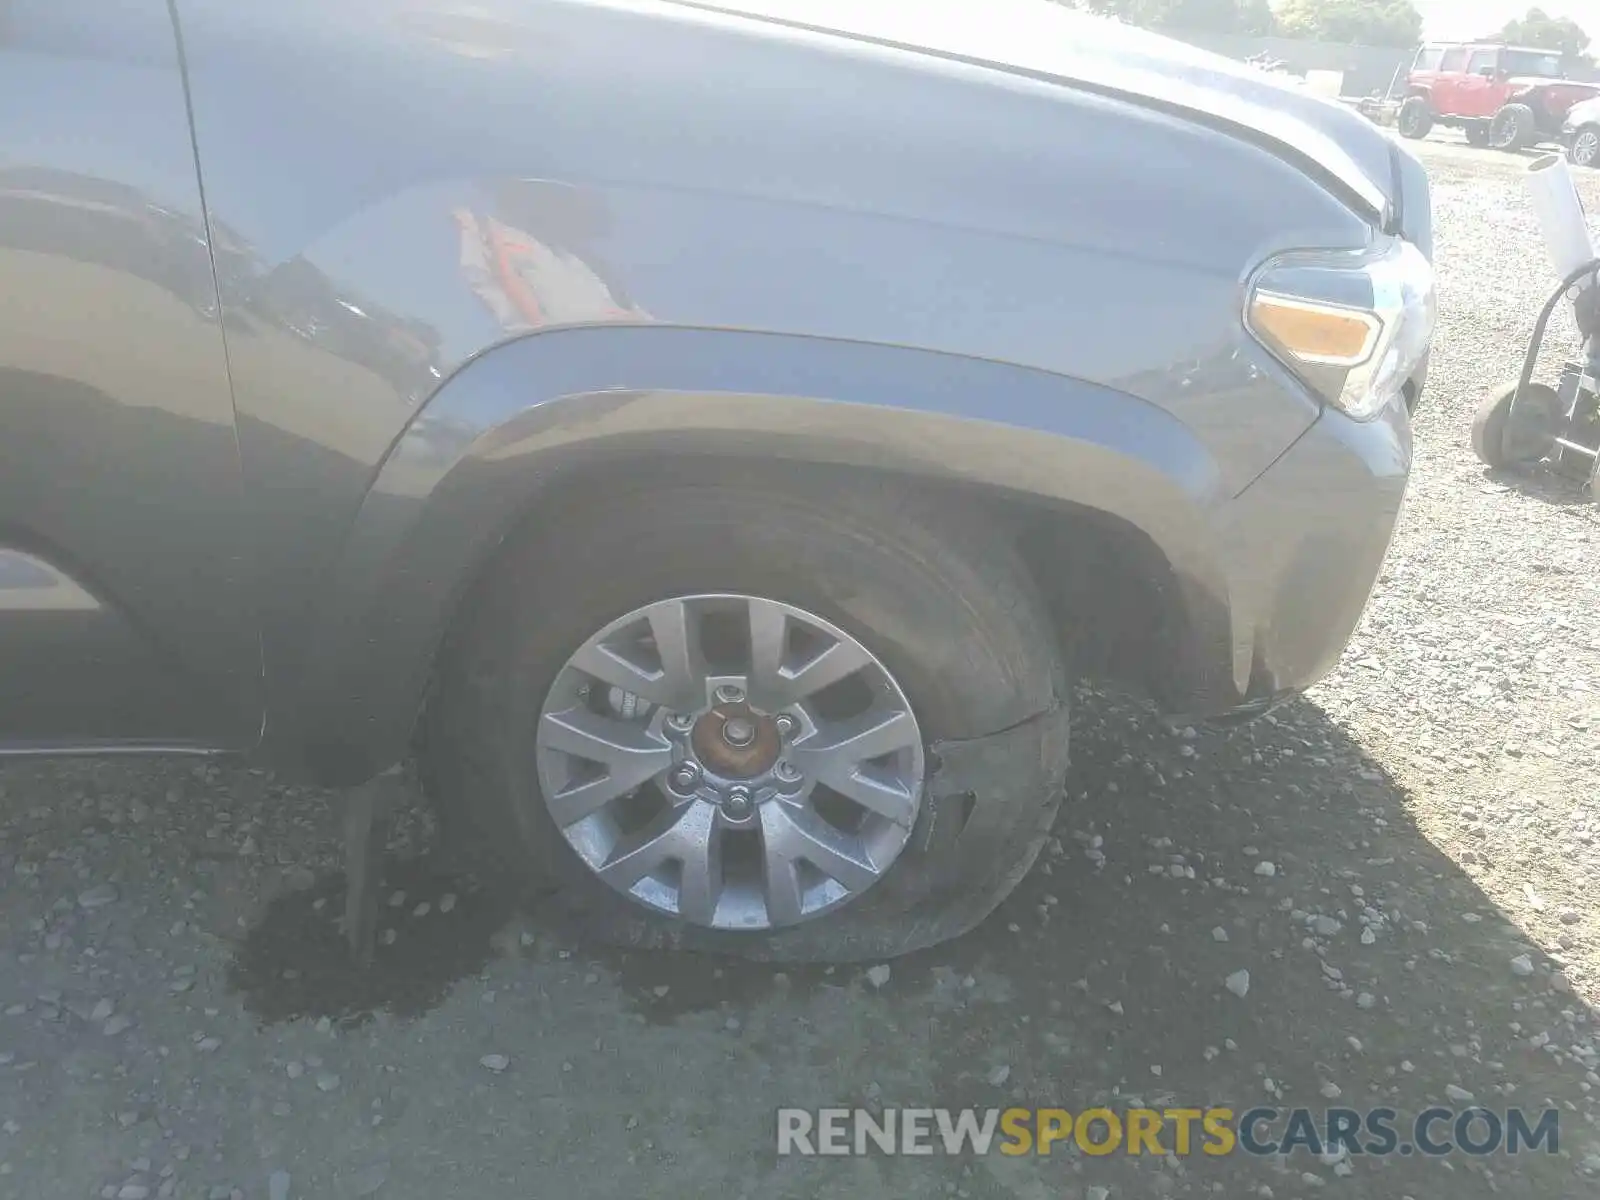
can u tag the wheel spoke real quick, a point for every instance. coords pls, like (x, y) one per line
(774, 683)
(871, 735)
(835, 753)
(781, 885)
(887, 798)
(838, 661)
(605, 664)
(769, 639)
(630, 753)
(604, 740)
(676, 630)
(672, 835)
(579, 800)
(795, 834)
(700, 884)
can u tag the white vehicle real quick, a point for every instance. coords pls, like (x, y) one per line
(1582, 134)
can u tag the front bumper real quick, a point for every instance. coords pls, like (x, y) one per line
(1300, 551)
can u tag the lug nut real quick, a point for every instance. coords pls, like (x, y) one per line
(787, 774)
(737, 803)
(785, 724)
(681, 721)
(728, 693)
(685, 777)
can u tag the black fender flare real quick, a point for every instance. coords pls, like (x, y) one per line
(469, 465)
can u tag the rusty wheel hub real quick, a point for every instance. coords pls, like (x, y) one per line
(736, 742)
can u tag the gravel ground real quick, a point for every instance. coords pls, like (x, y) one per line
(175, 1017)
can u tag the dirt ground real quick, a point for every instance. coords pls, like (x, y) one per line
(176, 1018)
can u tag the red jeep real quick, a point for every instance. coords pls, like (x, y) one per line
(1508, 97)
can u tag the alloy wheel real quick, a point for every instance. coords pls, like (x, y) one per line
(1586, 149)
(730, 760)
(1505, 131)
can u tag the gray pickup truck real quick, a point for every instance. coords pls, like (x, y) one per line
(706, 438)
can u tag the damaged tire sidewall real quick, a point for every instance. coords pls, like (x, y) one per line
(945, 606)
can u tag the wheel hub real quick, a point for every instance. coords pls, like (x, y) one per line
(736, 741)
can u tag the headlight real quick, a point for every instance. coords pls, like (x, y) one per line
(1353, 325)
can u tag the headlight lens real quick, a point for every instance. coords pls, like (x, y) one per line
(1353, 326)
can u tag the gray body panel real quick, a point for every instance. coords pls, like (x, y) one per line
(125, 611)
(456, 254)
(1272, 582)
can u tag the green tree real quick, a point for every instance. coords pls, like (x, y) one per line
(1355, 22)
(1540, 29)
(1191, 16)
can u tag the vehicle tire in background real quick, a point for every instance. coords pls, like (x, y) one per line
(1477, 133)
(1586, 147)
(934, 599)
(1416, 119)
(1514, 128)
(1508, 431)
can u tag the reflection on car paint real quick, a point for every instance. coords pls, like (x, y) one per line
(527, 283)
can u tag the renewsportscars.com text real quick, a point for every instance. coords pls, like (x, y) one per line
(1433, 1132)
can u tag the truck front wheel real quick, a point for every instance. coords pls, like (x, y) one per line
(1416, 119)
(743, 713)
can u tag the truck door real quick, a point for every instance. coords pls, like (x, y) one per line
(1424, 68)
(1448, 81)
(124, 614)
(1477, 93)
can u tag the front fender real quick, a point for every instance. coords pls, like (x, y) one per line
(470, 465)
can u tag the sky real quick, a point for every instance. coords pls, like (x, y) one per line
(1464, 19)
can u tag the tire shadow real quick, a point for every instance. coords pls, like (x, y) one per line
(1380, 975)
(1543, 482)
(1118, 964)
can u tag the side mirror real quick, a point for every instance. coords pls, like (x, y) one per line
(1489, 72)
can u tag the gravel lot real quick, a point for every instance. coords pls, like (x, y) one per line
(175, 1018)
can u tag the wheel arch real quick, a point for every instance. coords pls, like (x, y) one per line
(521, 432)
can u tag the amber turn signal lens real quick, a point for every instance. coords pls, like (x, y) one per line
(1315, 333)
